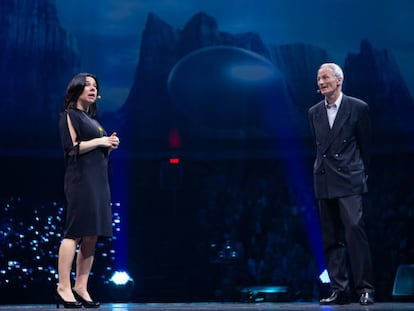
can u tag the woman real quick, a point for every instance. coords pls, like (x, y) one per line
(88, 215)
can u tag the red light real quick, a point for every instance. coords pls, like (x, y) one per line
(174, 138)
(174, 160)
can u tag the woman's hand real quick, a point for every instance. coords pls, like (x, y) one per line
(114, 141)
(111, 142)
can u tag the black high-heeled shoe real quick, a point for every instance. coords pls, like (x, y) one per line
(89, 304)
(66, 304)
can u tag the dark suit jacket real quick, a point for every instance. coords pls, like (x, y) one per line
(342, 153)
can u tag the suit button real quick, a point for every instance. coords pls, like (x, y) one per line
(323, 171)
(336, 155)
(339, 169)
(324, 155)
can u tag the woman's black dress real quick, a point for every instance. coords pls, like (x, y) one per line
(86, 185)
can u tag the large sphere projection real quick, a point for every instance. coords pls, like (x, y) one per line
(228, 93)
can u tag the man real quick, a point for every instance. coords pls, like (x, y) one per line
(341, 129)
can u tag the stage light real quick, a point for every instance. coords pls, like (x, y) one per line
(120, 278)
(324, 277)
(403, 289)
(265, 294)
(121, 286)
(174, 160)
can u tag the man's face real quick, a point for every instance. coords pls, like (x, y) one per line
(328, 83)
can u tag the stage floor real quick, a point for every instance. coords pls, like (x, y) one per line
(226, 307)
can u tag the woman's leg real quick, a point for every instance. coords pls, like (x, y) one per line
(67, 251)
(84, 264)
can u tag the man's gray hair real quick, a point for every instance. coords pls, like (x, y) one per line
(336, 69)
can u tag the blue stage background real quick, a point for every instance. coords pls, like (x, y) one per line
(224, 87)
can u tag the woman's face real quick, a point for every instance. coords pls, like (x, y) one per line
(89, 94)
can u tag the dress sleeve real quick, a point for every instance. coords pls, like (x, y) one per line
(65, 137)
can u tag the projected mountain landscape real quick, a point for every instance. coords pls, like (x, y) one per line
(194, 98)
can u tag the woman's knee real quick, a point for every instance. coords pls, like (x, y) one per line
(89, 240)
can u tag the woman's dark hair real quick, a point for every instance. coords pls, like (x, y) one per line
(75, 89)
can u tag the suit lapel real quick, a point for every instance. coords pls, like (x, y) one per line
(321, 118)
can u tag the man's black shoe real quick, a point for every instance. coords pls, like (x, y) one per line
(366, 299)
(337, 298)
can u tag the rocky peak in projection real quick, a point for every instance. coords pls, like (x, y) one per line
(147, 111)
(202, 31)
(374, 76)
(36, 59)
(158, 46)
(175, 64)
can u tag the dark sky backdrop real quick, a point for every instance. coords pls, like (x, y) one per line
(109, 31)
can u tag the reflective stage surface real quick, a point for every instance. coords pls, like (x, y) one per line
(226, 307)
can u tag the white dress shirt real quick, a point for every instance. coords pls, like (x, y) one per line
(332, 110)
